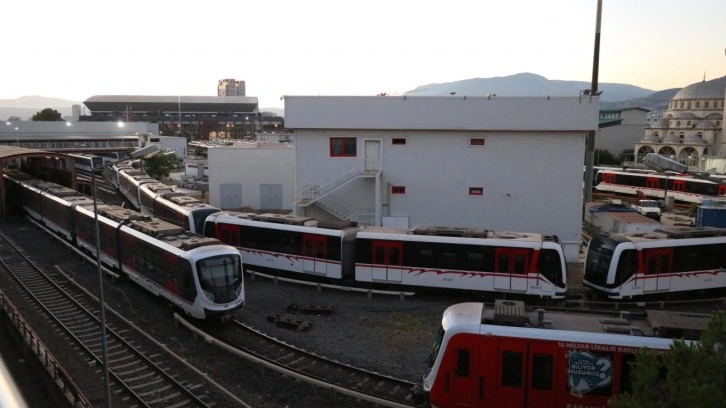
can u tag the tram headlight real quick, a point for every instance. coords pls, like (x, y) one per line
(209, 296)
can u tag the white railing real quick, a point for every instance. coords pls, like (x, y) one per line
(344, 210)
(325, 182)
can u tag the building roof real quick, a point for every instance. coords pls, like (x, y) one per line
(120, 103)
(713, 89)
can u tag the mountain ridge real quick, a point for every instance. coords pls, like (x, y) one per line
(614, 95)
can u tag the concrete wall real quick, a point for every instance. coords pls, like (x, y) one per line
(244, 175)
(624, 136)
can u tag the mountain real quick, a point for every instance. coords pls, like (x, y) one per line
(27, 106)
(655, 102)
(527, 84)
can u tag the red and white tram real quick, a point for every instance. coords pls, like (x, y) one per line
(441, 257)
(674, 259)
(509, 357)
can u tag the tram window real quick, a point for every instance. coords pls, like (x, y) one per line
(627, 265)
(652, 265)
(462, 363)
(426, 256)
(519, 264)
(542, 372)
(474, 261)
(626, 369)
(448, 260)
(394, 256)
(380, 256)
(665, 263)
(503, 263)
(511, 369)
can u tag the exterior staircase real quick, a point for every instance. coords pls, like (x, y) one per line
(319, 191)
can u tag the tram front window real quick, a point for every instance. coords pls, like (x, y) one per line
(437, 346)
(599, 255)
(220, 278)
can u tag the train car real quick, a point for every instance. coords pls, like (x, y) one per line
(436, 257)
(508, 356)
(200, 275)
(112, 157)
(682, 188)
(130, 181)
(87, 163)
(287, 243)
(462, 258)
(674, 259)
(162, 201)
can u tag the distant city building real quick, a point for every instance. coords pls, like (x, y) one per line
(690, 131)
(194, 117)
(230, 87)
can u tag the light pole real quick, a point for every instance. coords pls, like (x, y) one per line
(145, 153)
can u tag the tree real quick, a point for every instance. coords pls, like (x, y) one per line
(689, 375)
(603, 156)
(47, 115)
(160, 165)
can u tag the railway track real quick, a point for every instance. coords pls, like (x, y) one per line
(348, 384)
(139, 377)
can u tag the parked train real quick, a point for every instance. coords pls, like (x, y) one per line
(86, 163)
(200, 275)
(674, 259)
(160, 200)
(438, 257)
(682, 188)
(509, 357)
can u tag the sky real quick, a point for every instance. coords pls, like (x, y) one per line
(75, 50)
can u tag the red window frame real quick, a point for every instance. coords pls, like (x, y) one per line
(609, 178)
(343, 147)
(398, 190)
(477, 141)
(652, 182)
(398, 141)
(679, 185)
(476, 191)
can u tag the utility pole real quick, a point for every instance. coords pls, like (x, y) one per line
(590, 137)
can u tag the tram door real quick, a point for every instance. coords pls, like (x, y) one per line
(314, 254)
(511, 269)
(387, 260)
(658, 262)
(513, 373)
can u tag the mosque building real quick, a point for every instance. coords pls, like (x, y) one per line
(691, 130)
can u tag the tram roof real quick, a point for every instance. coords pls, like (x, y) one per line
(120, 103)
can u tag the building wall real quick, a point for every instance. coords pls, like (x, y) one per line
(175, 143)
(249, 170)
(621, 137)
(530, 167)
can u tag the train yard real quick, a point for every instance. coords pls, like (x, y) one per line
(292, 345)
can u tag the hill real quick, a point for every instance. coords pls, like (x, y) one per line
(27, 106)
(527, 84)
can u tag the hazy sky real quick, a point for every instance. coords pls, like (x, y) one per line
(77, 49)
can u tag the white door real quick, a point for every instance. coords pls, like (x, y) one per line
(373, 155)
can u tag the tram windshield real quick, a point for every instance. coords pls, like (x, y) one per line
(220, 277)
(199, 216)
(597, 263)
(438, 339)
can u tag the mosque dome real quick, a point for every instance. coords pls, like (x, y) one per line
(713, 89)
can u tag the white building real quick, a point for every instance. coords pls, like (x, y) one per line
(506, 164)
(259, 176)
